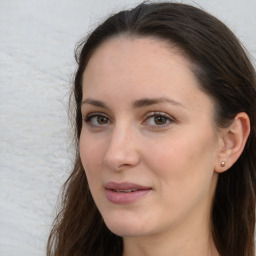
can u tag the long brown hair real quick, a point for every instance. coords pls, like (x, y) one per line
(226, 74)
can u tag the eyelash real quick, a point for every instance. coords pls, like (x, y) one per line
(89, 119)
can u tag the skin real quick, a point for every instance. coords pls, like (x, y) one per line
(175, 156)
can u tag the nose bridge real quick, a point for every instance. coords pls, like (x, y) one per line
(122, 147)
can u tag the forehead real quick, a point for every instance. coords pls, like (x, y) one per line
(130, 56)
(134, 48)
(129, 68)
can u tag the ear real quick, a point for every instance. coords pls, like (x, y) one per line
(232, 142)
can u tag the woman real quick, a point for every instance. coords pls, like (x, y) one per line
(165, 130)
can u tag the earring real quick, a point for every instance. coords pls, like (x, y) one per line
(222, 164)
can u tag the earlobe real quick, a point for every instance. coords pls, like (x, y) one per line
(232, 142)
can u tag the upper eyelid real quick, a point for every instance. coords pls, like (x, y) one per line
(159, 113)
(95, 114)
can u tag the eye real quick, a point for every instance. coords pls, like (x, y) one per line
(158, 119)
(97, 119)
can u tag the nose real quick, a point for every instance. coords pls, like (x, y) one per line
(122, 151)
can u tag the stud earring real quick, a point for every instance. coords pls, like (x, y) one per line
(222, 164)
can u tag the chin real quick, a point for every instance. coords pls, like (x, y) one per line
(123, 232)
(125, 228)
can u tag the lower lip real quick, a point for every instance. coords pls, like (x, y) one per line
(125, 198)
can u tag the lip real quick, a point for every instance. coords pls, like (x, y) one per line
(125, 192)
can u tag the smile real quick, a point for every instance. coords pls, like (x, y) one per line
(125, 193)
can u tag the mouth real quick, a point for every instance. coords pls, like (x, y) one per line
(125, 193)
(125, 190)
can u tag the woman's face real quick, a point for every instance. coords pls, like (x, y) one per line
(148, 142)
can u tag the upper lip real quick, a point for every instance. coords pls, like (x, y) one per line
(124, 186)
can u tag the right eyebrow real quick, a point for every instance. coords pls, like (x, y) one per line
(93, 102)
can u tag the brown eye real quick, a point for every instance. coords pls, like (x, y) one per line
(97, 119)
(160, 120)
(102, 120)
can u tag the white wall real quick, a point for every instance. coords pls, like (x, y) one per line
(37, 39)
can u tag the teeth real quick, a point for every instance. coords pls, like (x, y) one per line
(126, 190)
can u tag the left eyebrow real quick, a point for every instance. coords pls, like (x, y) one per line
(152, 101)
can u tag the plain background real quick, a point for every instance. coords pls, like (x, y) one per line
(37, 39)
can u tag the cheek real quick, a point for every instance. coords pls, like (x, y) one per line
(184, 161)
(91, 154)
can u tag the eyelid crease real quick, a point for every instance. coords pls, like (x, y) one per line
(159, 113)
(95, 114)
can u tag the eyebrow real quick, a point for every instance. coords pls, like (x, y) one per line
(136, 104)
(93, 102)
(151, 101)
